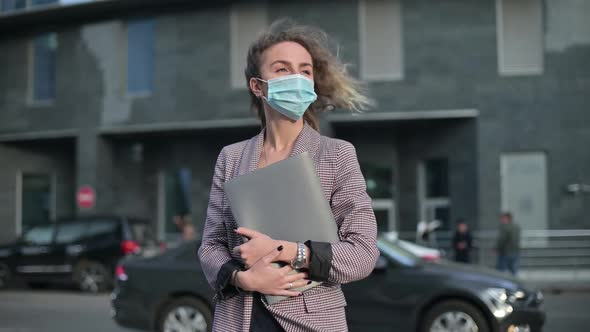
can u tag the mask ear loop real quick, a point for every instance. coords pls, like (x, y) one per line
(261, 96)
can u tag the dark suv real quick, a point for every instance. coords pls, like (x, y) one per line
(83, 251)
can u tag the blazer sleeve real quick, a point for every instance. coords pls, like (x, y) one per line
(354, 256)
(216, 261)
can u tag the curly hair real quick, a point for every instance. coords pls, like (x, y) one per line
(333, 84)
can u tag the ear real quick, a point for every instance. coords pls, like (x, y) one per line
(256, 87)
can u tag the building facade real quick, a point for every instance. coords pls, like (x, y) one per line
(482, 106)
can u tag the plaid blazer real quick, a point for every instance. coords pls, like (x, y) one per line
(320, 308)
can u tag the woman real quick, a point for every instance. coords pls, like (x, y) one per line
(291, 76)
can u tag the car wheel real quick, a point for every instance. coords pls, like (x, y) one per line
(92, 277)
(454, 316)
(4, 275)
(185, 314)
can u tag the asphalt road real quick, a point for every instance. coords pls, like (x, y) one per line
(65, 311)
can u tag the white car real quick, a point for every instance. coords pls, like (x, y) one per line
(425, 253)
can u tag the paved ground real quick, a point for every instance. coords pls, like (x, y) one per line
(65, 311)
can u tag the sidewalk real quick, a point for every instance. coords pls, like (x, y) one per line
(556, 281)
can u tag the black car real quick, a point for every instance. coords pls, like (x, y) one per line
(83, 250)
(404, 293)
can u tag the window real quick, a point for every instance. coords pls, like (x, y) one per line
(379, 180)
(101, 228)
(10, 5)
(140, 56)
(70, 232)
(520, 37)
(380, 33)
(246, 22)
(44, 50)
(40, 235)
(434, 192)
(437, 180)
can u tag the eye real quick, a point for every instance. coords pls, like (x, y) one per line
(281, 70)
(307, 72)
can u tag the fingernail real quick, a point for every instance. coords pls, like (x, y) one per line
(280, 247)
(309, 282)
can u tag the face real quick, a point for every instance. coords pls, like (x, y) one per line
(506, 219)
(462, 228)
(282, 59)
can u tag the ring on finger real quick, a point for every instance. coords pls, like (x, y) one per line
(290, 285)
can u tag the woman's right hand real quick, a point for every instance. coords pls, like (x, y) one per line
(264, 278)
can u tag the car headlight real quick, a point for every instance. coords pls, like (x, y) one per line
(500, 301)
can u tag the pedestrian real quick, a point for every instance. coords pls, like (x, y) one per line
(292, 76)
(185, 226)
(462, 242)
(508, 244)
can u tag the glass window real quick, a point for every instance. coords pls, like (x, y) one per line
(140, 56)
(381, 41)
(437, 178)
(520, 37)
(43, 2)
(40, 235)
(382, 217)
(10, 5)
(36, 200)
(70, 232)
(101, 227)
(44, 62)
(379, 180)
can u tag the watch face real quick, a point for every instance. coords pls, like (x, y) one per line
(298, 264)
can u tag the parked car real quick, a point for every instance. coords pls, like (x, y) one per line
(425, 253)
(83, 251)
(404, 293)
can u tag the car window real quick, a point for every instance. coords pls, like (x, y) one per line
(396, 254)
(70, 232)
(101, 227)
(39, 235)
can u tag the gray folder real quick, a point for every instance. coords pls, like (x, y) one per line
(284, 200)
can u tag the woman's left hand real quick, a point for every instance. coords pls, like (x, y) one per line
(258, 246)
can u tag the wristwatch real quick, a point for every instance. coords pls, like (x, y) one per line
(299, 260)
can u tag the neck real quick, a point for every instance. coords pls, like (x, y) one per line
(280, 132)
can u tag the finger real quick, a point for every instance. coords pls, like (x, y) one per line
(269, 258)
(286, 269)
(237, 250)
(296, 277)
(297, 284)
(247, 232)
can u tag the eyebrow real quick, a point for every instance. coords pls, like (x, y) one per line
(304, 64)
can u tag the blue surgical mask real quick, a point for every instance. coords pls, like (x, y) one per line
(290, 95)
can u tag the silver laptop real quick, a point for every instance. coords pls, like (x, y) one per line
(284, 200)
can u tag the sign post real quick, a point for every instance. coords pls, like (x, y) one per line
(86, 197)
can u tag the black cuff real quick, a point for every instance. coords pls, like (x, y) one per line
(320, 260)
(223, 288)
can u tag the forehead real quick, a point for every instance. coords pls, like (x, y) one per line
(290, 52)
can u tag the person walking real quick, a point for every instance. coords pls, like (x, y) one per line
(462, 242)
(292, 76)
(508, 244)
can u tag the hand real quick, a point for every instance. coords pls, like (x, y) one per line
(258, 246)
(262, 277)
